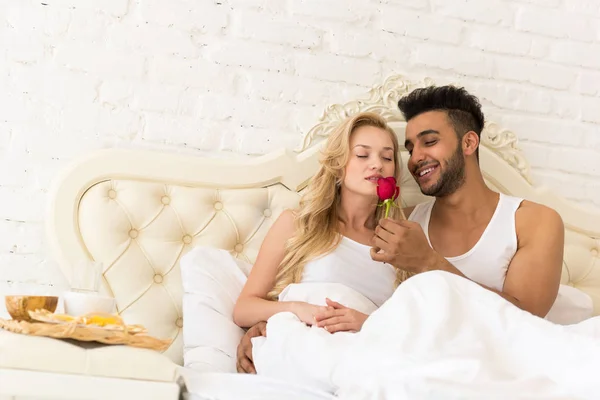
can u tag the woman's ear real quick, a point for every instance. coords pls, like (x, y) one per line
(470, 143)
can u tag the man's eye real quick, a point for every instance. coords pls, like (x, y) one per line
(431, 142)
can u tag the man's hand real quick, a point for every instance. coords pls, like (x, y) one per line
(404, 246)
(340, 318)
(244, 362)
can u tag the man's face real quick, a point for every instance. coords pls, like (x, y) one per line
(436, 158)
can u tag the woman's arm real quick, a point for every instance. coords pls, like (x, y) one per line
(252, 306)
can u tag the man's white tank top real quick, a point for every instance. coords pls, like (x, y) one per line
(351, 264)
(488, 260)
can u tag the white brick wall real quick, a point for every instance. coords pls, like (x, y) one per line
(250, 76)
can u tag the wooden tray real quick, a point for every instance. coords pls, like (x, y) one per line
(86, 333)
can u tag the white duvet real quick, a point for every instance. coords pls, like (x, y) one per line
(439, 336)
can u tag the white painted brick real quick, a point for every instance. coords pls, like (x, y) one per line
(192, 132)
(261, 141)
(113, 7)
(115, 92)
(460, 60)
(99, 60)
(575, 160)
(541, 46)
(260, 27)
(65, 87)
(589, 82)
(592, 136)
(576, 54)
(37, 21)
(255, 113)
(537, 154)
(535, 72)
(151, 40)
(545, 130)
(555, 23)
(421, 25)
(359, 42)
(512, 97)
(545, 3)
(196, 73)
(491, 12)
(238, 53)
(201, 16)
(20, 204)
(418, 4)
(156, 97)
(360, 71)
(88, 26)
(20, 47)
(331, 9)
(14, 170)
(498, 40)
(590, 111)
(566, 105)
(566, 185)
(21, 237)
(585, 7)
(270, 6)
(274, 87)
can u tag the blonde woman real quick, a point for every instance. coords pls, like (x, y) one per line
(328, 238)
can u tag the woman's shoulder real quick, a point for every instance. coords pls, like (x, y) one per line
(285, 222)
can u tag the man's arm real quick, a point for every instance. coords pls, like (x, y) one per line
(533, 276)
(244, 362)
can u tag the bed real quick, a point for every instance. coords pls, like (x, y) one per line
(139, 212)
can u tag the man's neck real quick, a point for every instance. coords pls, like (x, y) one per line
(470, 201)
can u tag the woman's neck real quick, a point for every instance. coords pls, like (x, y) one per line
(357, 212)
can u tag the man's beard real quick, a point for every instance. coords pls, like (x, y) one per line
(451, 178)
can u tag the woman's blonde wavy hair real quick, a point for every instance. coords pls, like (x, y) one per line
(317, 217)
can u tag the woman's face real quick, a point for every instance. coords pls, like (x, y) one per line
(371, 157)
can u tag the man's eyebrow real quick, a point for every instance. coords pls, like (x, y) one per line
(421, 134)
(369, 147)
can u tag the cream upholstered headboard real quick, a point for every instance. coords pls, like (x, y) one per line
(138, 212)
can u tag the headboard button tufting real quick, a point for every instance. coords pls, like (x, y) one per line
(133, 233)
(187, 239)
(158, 278)
(165, 200)
(112, 194)
(267, 213)
(218, 206)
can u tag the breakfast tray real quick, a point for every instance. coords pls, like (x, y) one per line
(45, 324)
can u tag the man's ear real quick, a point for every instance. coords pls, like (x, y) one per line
(470, 143)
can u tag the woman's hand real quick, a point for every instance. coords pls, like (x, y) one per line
(307, 312)
(340, 318)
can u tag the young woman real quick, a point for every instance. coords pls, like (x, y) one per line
(328, 238)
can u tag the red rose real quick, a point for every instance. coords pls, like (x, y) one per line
(387, 189)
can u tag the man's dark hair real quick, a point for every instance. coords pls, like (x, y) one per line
(464, 109)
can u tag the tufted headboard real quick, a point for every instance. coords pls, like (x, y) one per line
(138, 211)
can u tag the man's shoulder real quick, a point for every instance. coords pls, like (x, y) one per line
(533, 218)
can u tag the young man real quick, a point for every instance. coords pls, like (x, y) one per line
(510, 246)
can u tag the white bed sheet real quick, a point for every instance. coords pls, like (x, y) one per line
(232, 386)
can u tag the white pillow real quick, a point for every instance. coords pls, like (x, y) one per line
(571, 306)
(212, 282)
